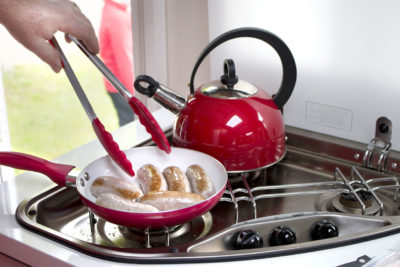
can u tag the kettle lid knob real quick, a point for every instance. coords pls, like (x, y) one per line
(229, 78)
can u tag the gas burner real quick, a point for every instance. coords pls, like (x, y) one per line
(119, 236)
(349, 203)
(342, 202)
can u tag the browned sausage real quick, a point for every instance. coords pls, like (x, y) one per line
(115, 202)
(150, 179)
(116, 186)
(176, 179)
(199, 181)
(171, 200)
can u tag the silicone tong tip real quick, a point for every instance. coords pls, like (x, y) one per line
(112, 147)
(150, 124)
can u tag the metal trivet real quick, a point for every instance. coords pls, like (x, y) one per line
(340, 184)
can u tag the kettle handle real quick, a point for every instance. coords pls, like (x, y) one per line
(288, 63)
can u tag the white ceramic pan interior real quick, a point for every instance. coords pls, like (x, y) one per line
(179, 157)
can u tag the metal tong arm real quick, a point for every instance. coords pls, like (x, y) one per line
(145, 117)
(105, 138)
(74, 81)
(103, 69)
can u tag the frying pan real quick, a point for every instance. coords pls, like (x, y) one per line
(104, 166)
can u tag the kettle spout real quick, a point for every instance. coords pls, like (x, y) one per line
(161, 94)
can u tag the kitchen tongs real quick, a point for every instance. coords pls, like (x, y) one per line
(104, 137)
(145, 117)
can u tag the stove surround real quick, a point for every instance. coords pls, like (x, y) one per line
(268, 198)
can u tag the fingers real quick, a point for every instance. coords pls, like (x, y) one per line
(87, 37)
(72, 22)
(47, 53)
(80, 27)
(75, 6)
(34, 22)
(83, 33)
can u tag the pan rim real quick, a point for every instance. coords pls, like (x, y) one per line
(82, 187)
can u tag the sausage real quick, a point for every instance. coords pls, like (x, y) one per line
(116, 186)
(150, 179)
(115, 202)
(171, 200)
(176, 179)
(199, 181)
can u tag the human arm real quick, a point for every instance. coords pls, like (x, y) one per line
(34, 22)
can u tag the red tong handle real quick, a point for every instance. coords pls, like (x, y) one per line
(150, 123)
(104, 137)
(55, 171)
(112, 147)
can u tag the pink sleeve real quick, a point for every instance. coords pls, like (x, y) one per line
(121, 42)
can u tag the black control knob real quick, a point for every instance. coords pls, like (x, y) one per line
(324, 229)
(247, 239)
(282, 235)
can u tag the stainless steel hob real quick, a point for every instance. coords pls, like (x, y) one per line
(326, 192)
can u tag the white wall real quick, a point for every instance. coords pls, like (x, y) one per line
(168, 37)
(187, 35)
(347, 54)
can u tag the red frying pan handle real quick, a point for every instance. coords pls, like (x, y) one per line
(112, 147)
(55, 171)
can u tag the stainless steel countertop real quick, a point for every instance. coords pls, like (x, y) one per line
(34, 249)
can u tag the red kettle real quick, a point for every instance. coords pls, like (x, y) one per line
(232, 120)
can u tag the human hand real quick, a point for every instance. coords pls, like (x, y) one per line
(34, 22)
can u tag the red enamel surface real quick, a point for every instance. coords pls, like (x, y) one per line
(243, 134)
